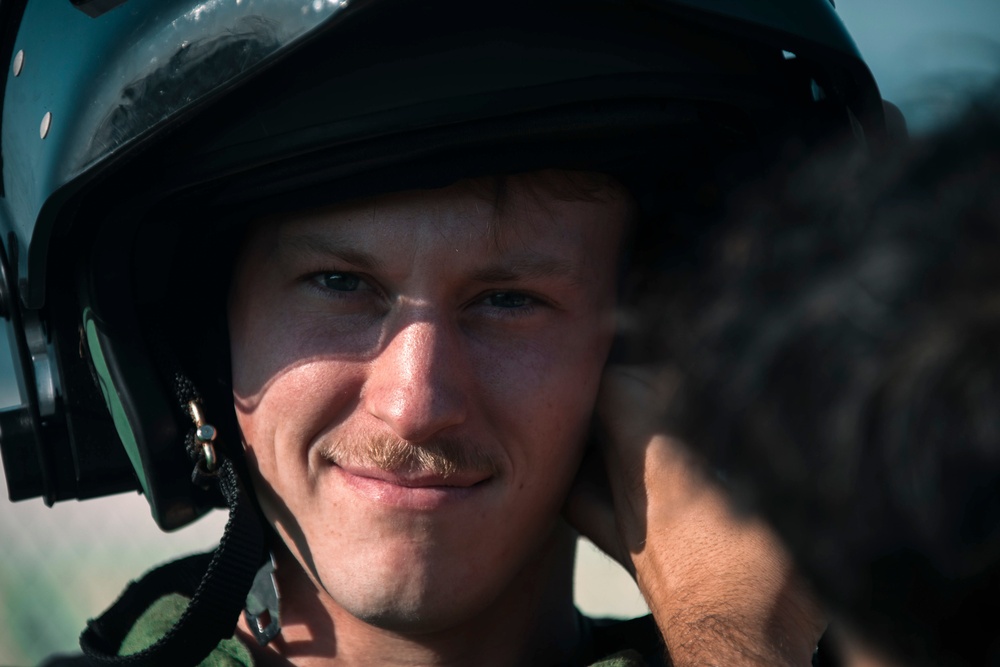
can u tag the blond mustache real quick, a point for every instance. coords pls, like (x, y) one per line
(442, 457)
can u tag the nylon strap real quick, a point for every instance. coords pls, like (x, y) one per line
(216, 600)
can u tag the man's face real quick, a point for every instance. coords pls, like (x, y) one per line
(414, 376)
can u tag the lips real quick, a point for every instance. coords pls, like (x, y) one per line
(422, 491)
(418, 479)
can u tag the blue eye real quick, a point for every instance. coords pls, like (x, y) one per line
(340, 282)
(509, 300)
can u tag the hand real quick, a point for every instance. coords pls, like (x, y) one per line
(722, 589)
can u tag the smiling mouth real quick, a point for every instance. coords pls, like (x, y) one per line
(419, 490)
(418, 479)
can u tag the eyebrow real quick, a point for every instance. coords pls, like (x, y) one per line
(527, 267)
(329, 245)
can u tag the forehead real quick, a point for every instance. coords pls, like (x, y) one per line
(560, 212)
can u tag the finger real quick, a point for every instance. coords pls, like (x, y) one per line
(633, 401)
(589, 508)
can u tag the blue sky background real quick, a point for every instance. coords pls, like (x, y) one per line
(924, 53)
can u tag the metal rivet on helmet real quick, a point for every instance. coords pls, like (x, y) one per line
(205, 433)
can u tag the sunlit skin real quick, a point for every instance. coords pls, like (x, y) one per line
(431, 321)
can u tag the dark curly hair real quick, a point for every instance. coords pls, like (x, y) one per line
(840, 340)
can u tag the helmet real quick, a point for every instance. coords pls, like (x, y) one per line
(137, 134)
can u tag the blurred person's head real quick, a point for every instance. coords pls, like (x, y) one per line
(842, 353)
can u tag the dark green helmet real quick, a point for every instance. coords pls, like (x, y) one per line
(136, 135)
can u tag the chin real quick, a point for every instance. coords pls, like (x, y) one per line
(417, 597)
(421, 584)
(420, 618)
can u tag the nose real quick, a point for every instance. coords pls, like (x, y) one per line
(417, 385)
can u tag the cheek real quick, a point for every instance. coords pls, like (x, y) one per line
(297, 350)
(544, 393)
(280, 429)
(560, 371)
(297, 406)
(252, 349)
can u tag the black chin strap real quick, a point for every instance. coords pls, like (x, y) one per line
(217, 598)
